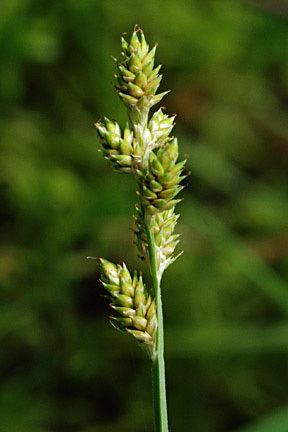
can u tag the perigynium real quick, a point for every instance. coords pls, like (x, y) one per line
(145, 149)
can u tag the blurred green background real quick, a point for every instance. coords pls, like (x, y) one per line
(63, 367)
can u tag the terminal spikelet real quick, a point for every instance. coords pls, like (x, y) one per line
(160, 184)
(138, 79)
(134, 308)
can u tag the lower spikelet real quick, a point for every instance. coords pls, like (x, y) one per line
(162, 226)
(135, 310)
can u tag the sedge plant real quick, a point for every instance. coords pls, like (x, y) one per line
(145, 149)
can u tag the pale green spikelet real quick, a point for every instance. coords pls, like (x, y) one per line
(117, 145)
(138, 79)
(160, 184)
(160, 125)
(135, 310)
(152, 136)
(162, 227)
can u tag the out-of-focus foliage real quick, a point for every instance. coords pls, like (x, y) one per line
(63, 368)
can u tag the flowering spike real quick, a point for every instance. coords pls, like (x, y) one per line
(144, 148)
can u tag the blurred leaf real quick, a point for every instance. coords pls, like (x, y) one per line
(276, 421)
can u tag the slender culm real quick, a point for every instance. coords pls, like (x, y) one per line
(145, 149)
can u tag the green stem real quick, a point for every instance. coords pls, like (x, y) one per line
(158, 367)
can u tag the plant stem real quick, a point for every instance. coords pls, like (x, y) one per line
(158, 367)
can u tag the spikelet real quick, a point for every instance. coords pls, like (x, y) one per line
(160, 125)
(127, 149)
(138, 79)
(160, 184)
(162, 227)
(117, 145)
(135, 310)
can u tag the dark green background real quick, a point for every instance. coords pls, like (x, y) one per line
(63, 367)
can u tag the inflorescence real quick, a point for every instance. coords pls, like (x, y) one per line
(144, 148)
